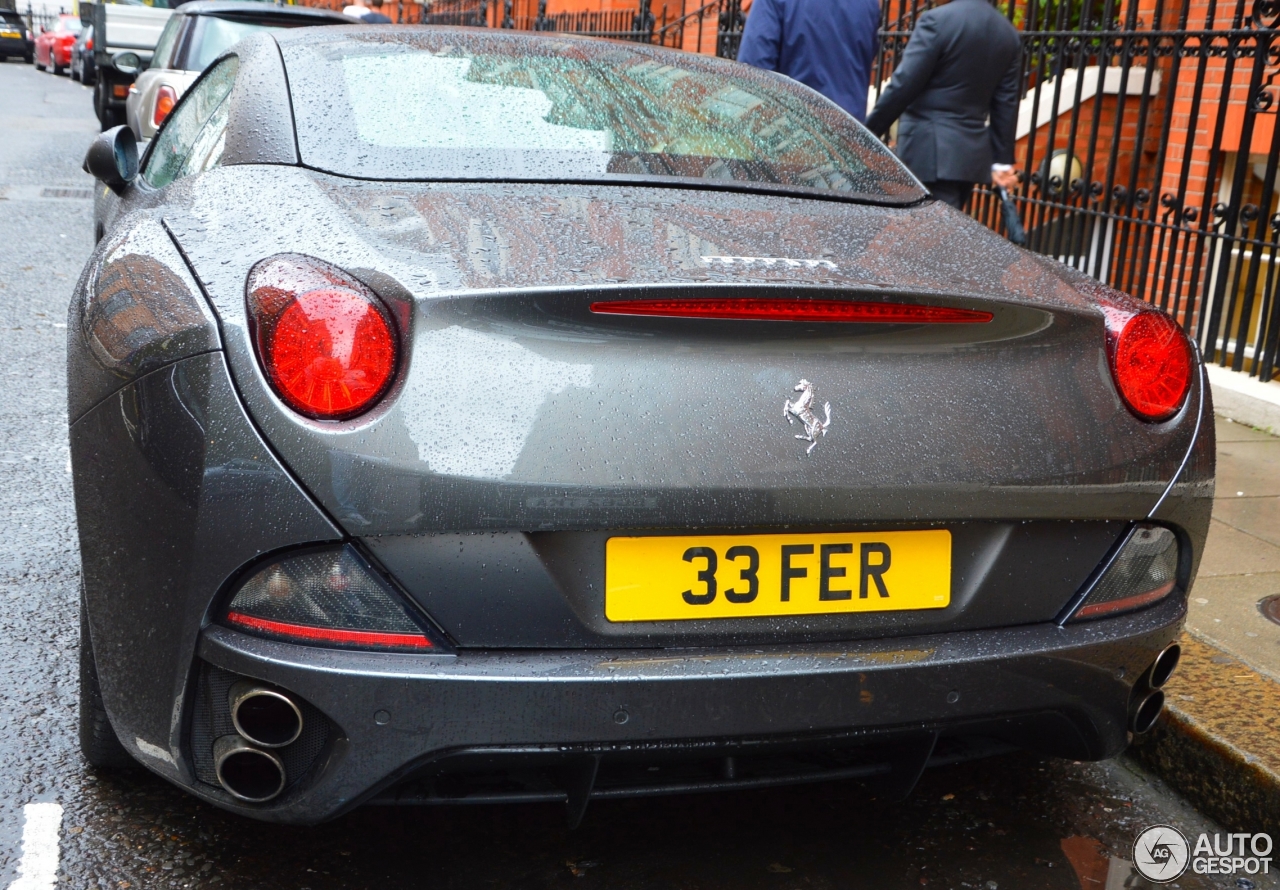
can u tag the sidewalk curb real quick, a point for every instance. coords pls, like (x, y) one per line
(1244, 399)
(1218, 741)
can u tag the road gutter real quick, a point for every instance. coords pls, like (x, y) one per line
(1218, 741)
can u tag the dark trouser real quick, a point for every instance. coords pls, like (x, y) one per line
(952, 191)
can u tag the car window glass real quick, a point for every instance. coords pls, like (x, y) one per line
(10, 18)
(174, 153)
(164, 46)
(206, 152)
(215, 36)
(428, 106)
(68, 26)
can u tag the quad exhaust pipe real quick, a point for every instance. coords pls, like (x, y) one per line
(264, 718)
(1147, 712)
(247, 773)
(1164, 665)
(1149, 693)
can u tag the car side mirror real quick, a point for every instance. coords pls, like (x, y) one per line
(113, 158)
(127, 63)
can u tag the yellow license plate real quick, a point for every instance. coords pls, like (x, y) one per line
(9, 32)
(747, 576)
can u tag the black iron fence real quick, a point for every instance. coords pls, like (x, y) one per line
(1147, 150)
(695, 25)
(37, 21)
(1147, 139)
(474, 13)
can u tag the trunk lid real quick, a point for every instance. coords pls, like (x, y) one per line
(521, 412)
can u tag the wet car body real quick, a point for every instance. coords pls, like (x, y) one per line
(523, 432)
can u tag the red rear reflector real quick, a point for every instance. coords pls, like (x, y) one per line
(858, 312)
(1151, 362)
(166, 98)
(1128, 604)
(329, 634)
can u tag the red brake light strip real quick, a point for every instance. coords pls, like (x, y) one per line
(858, 312)
(1136, 601)
(329, 634)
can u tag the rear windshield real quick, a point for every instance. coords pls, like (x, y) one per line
(68, 26)
(447, 105)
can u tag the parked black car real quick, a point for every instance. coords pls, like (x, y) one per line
(15, 40)
(83, 67)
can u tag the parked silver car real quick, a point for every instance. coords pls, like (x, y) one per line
(195, 36)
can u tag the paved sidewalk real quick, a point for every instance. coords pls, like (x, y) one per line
(1246, 399)
(1241, 564)
(1218, 741)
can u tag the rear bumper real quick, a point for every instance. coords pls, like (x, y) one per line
(1062, 691)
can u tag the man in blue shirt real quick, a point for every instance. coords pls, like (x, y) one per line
(375, 15)
(828, 45)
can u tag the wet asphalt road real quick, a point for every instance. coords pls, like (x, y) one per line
(1010, 822)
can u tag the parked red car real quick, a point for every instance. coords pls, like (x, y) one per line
(53, 46)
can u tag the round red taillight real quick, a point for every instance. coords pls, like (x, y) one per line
(328, 347)
(166, 98)
(1152, 364)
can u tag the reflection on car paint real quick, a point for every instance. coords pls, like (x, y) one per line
(471, 409)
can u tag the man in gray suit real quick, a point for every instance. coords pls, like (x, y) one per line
(959, 70)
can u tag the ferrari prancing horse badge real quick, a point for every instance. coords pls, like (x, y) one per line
(802, 409)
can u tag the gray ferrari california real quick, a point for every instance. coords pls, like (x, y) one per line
(462, 416)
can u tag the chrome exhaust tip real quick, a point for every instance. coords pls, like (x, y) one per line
(247, 773)
(1147, 712)
(1164, 665)
(267, 717)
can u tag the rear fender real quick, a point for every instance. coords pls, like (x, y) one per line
(175, 492)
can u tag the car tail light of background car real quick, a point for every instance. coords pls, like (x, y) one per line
(1143, 572)
(326, 342)
(329, 597)
(166, 98)
(1151, 362)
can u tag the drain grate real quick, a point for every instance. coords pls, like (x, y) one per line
(1270, 608)
(78, 194)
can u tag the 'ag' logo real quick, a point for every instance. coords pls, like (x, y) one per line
(1161, 854)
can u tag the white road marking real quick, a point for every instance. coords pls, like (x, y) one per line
(38, 868)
